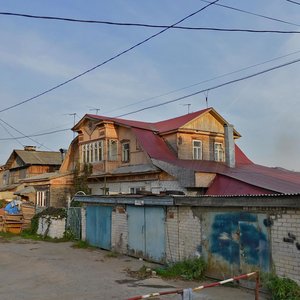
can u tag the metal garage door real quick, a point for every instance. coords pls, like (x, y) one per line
(146, 232)
(98, 226)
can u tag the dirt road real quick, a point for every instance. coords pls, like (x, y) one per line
(42, 270)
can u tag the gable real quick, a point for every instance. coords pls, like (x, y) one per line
(209, 121)
(205, 122)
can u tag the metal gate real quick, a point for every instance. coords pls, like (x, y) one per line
(235, 242)
(146, 232)
(98, 226)
(74, 222)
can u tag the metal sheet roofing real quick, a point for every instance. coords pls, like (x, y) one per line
(246, 177)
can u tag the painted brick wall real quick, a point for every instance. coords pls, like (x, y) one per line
(119, 238)
(56, 228)
(183, 232)
(286, 255)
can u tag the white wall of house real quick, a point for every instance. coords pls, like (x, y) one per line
(125, 187)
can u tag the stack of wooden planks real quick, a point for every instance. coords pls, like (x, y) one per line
(1, 219)
(28, 211)
(12, 223)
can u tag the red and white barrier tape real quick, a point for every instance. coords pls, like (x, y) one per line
(201, 287)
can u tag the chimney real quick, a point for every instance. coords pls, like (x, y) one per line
(30, 148)
(229, 146)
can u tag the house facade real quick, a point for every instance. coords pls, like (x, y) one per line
(194, 154)
(24, 168)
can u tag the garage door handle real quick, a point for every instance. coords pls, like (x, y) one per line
(143, 228)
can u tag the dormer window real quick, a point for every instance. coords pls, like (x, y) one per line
(197, 149)
(125, 152)
(219, 152)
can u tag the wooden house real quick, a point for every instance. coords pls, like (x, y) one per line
(194, 154)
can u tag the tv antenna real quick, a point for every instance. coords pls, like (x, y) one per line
(188, 106)
(95, 109)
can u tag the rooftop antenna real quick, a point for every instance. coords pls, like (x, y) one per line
(95, 109)
(188, 106)
(74, 116)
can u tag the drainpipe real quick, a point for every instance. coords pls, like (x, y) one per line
(229, 146)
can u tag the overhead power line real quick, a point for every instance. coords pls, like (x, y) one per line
(108, 60)
(149, 25)
(295, 2)
(204, 81)
(214, 87)
(253, 14)
(35, 135)
(24, 135)
(12, 137)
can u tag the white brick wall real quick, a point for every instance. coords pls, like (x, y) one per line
(119, 238)
(286, 256)
(56, 228)
(183, 232)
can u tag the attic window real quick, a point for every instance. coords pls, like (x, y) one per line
(219, 152)
(197, 149)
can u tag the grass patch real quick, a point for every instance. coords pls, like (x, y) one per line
(189, 269)
(112, 254)
(281, 288)
(82, 245)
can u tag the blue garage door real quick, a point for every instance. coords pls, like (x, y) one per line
(98, 226)
(146, 232)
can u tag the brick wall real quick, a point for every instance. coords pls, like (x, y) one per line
(119, 234)
(55, 229)
(286, 255)
(183, 233)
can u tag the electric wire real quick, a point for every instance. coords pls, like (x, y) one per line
(253, 14)
(36, 135)
(295, 2)
(24, 135)
(108, 60)
(12, 137)
(204, 81)
(150, 25)
(213, 87)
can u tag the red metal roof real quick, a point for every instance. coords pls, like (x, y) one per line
(245, 178)
(223, 185)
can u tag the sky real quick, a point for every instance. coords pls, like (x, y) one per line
(36, 55)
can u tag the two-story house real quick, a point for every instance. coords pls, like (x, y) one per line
(25, 164)
(193, 154)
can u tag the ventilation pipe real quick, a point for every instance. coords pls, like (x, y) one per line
(229, 146)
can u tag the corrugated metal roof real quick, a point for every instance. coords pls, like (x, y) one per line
(246, 177)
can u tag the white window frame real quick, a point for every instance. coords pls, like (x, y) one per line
(92, 152)
(219, 153)
(113, 152)
(125, 152)
(197, 150)
(41, 198)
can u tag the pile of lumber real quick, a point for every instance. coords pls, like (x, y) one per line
(12, 223)
(28, 211)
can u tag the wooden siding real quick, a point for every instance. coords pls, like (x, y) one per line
(185, 145)
(206, 123)
(106, 132)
